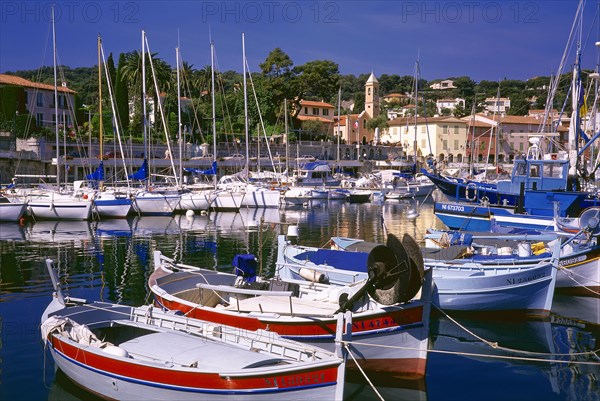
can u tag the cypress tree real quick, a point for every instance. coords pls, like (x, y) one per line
(122, 94)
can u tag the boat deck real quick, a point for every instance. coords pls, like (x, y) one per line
(179, 349)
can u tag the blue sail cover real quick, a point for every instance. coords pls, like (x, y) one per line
(97, 175)
(141, 174)
(210, 171)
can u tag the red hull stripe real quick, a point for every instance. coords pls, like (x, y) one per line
(382, 322)
(188, 381)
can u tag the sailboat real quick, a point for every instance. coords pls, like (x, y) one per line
(108, 203)
(54, 203)
(255, 195)
(148, 201)
(226, 196)
(198, 196)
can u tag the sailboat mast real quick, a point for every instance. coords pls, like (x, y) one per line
(101, 124)
(179, 116)
(144, 121)
(245, 102)
(56, 103)
(287, 144)
(214, 112)
(576, 94)
(338, 126)
(416, 111)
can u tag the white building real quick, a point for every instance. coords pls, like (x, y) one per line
(498, 105)
(445, 84)
(449, 104)
(443, 137)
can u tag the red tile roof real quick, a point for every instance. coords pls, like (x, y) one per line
(18, 81)
(315, 104)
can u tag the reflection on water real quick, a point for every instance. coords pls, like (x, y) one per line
(111, 261)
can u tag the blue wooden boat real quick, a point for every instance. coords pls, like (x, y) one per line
(477, 217)
(536, 183)
(525, 289)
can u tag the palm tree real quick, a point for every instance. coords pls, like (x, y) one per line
(132, 72)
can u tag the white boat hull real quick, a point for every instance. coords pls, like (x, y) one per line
(261, 197)
(60, 209)
(12, 211)
(155, 204)
(226, 201)
(196, 200)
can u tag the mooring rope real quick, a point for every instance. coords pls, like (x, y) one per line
(570, 273)
(345, 344)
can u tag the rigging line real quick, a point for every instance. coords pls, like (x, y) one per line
(595, 353)
(262, 123)
(345, 344)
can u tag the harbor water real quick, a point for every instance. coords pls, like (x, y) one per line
(111, 261)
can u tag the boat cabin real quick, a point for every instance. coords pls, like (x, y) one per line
(315, 174)
(537, 174)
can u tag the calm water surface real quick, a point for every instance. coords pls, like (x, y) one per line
(110, 261)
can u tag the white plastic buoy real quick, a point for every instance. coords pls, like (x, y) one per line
(292, 231)
(189, 213)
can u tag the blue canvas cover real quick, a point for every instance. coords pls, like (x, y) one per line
(353, 261)
(245, 265)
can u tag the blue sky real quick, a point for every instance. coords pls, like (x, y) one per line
(479, 38)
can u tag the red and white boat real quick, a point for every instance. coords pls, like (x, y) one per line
(388, 335)
(128, 353)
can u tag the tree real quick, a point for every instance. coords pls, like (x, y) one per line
(122, 94)
(313, 128)
(359, 101)
(318, 79)
(380, 122)
(277, 81)
(110, 66)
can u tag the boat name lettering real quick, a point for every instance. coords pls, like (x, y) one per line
(377, 323)
(456, 208)
(295, 380)
(527, 279)
(570, 261)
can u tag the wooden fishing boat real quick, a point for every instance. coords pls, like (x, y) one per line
(470, 286)
(390, 325)
(131, 353)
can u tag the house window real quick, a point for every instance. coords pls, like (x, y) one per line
(368, 91)
(456, 144)
(444, 129)
(40, 119)
(306, 110)
(521, 146)
(364, 123)
(40, 100)
(423, 129)
(423, 143)
(456, 129)
(325, 112)
(445, 142)
(315, 111)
